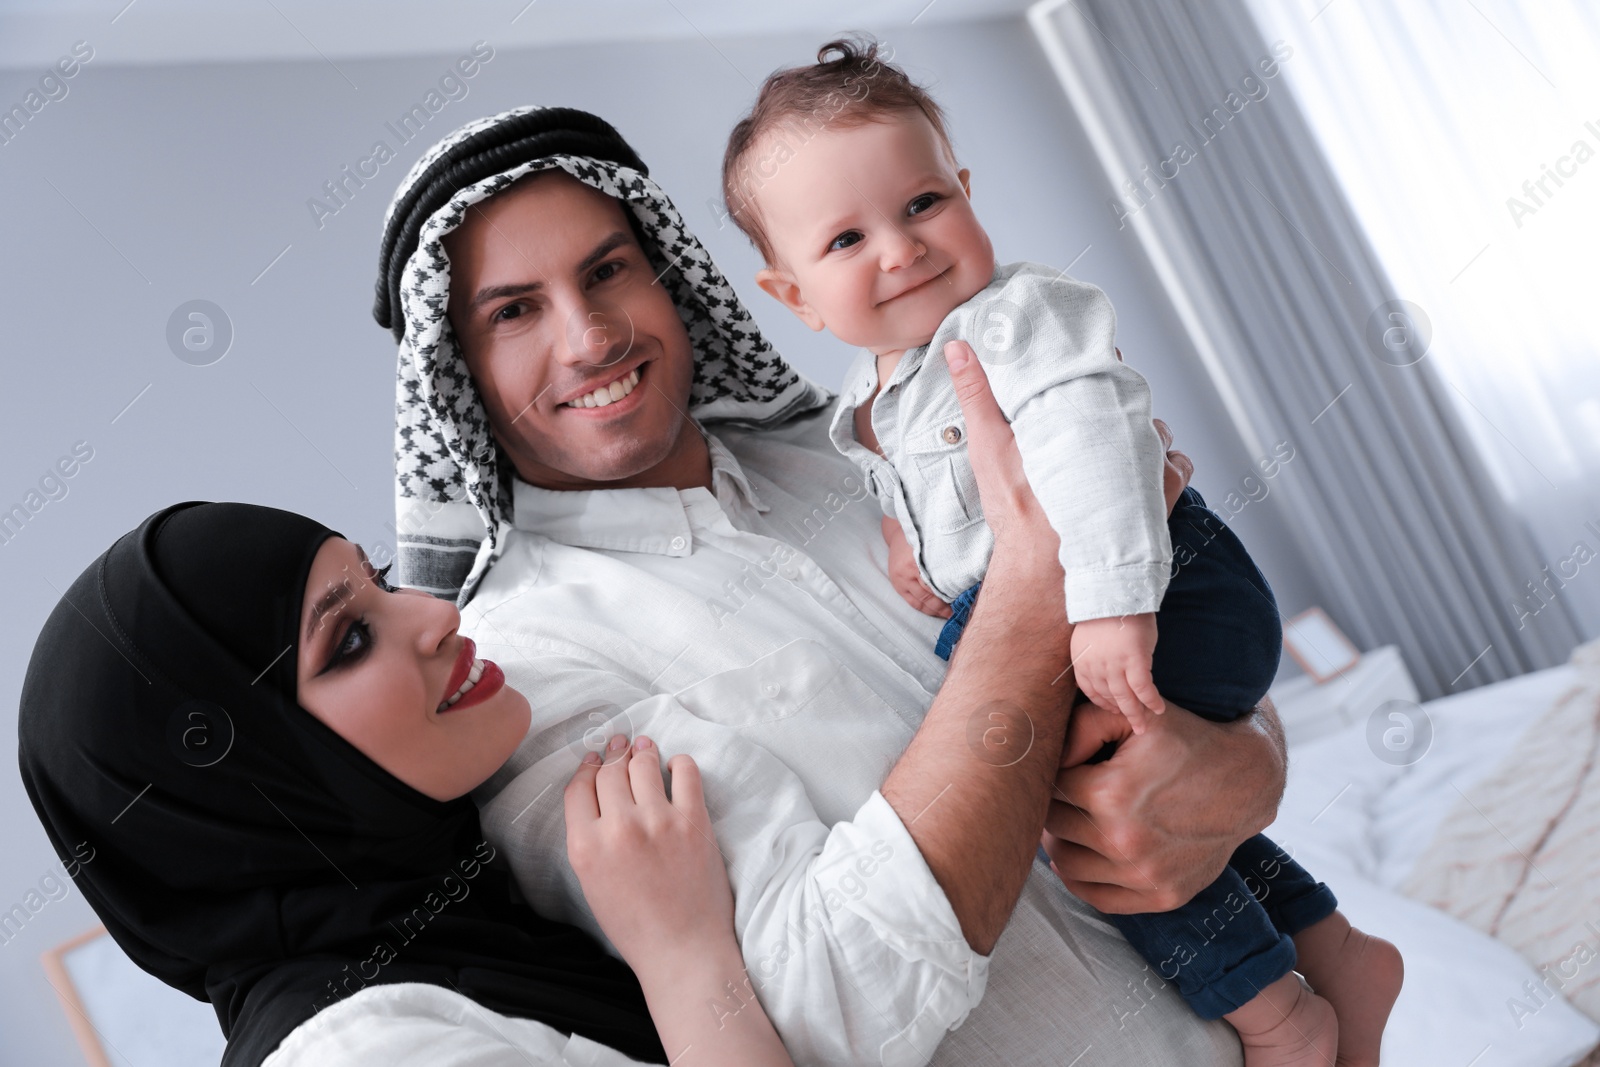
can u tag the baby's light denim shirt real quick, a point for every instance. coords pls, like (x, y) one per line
(1082, 423)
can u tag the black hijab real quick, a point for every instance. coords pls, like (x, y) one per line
(241, 850)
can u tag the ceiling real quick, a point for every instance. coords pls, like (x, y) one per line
(35, 33)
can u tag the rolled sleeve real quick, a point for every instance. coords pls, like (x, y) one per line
(1082, 420)
(866, 923)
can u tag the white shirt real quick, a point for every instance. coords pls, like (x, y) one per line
(411, 1023)
(753, 626)
(1082, 422)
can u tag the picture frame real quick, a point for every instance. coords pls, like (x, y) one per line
(123, 1017)
(1318, 646)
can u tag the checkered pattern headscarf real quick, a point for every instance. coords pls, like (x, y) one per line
(452, 488)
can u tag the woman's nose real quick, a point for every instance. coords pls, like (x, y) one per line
(436, 620)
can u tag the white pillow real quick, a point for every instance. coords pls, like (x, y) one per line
(1335, 785)
(1459, 983)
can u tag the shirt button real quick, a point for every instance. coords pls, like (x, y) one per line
(951, 435)
(678, 543)
(770, 689)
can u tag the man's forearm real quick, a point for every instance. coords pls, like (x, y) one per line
(973, 786)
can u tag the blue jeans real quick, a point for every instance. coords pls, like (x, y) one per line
(1219, 642)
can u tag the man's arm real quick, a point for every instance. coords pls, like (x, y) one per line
(973, 785)
(1154, 824)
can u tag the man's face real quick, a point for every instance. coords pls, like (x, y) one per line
(552, 299)
(873, 231)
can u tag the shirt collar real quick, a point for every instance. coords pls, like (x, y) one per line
(654, 519)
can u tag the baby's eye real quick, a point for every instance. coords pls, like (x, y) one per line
(844, 240)
(927, 200)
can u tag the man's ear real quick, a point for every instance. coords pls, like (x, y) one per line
(781, 286)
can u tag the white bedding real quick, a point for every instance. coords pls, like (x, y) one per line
(1360, 824)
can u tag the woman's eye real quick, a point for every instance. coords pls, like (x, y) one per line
(381, 578)
(507, 313)
(606, 271)
(927, 200)
(844, 240)
(353, 644)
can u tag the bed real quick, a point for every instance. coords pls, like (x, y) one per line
(1478, 855)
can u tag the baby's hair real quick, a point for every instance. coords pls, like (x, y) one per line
(859, 86)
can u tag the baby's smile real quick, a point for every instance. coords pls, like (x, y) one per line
(873, 232)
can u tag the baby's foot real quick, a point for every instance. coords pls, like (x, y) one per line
(1287, 1026)
(1360, 975)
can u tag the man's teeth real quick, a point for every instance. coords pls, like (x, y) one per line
(607, 394)
(472, 679)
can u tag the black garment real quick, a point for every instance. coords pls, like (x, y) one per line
(241, 850)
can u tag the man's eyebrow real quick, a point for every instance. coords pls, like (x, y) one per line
(490, 293)
(328, 601)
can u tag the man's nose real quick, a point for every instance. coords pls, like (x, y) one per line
(599, 334)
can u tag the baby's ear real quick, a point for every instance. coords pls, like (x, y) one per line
(782, 287)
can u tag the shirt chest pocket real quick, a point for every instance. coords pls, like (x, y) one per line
(947, 491)
(835, 732)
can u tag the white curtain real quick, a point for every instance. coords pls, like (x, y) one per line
(1300, 322)
(1466, 135)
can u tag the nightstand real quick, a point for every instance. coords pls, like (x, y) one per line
(1310, 710)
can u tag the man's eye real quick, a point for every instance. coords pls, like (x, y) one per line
(844, 240)
(927, 200)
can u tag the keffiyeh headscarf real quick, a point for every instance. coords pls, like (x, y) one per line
(452, 487)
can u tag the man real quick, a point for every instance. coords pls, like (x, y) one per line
(636, 501)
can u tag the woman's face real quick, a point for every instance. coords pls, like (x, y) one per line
(379, 665)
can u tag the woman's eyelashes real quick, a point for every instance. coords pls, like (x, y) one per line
(353, 644)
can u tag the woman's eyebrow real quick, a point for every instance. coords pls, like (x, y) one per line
(330, 600)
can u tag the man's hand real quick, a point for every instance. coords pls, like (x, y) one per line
(1111, 660)
(906, 577)
(1179, 469)
(1149, 828)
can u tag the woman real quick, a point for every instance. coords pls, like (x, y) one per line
(273, 785)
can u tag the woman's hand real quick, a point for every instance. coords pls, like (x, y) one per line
(654, 878)
(649, 866)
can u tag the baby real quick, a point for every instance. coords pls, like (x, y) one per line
(844, 179)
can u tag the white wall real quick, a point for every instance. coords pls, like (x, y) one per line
(148, 187)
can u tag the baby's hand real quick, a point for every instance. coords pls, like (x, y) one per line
(649, 866)
(905, 576)
(1111, 660)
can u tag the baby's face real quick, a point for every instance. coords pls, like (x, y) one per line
(872, 229)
